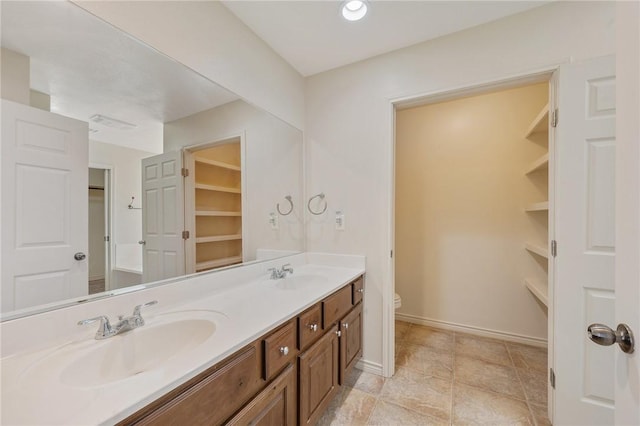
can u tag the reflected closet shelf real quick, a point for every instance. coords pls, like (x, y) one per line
(217, 188)
(539, 289)
(218, 238)
(200, 266)
(216, 213)
(536, 249)
(215, 163)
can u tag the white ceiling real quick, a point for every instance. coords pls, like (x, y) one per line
(89, 67)
(313, 37)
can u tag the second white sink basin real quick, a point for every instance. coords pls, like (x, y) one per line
(296, 282)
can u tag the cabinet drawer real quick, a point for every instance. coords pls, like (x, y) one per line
(337, 305)
(309, 326)
(358, 290)
(216, 397)
(279, 348)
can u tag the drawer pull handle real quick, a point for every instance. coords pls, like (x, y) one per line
(345, 325)
(284, 350)
(313, 327)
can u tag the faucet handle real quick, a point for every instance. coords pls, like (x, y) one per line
(136, 310)
(104, 330)
(287, 268)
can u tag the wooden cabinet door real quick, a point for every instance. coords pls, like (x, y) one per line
(276, 405)
(350, 341)
(318, 369)
(215, 398)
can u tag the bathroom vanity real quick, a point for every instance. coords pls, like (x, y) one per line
(241, 348)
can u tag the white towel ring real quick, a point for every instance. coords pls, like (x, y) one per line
(321, 196)
(288, 198)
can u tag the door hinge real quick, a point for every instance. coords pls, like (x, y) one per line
(554, 248)
(106, 239)
(185, 235)
(554, 117)
(185, 172)
(552, 378)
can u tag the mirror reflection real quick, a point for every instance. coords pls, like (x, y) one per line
(164, 172)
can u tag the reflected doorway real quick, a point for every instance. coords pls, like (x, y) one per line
(99, 230)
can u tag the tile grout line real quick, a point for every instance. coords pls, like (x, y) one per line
(524, 390)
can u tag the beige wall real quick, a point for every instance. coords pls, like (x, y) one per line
(460, 220)
(349, 126)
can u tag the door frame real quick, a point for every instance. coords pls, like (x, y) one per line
(189, 200)
(109, 187)
(473, 88)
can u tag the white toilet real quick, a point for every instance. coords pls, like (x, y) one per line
(397, 301)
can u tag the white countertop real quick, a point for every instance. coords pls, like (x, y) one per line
(32, 392)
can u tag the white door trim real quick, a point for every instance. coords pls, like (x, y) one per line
(477, 87)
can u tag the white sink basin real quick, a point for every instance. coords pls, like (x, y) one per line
(135, 352)
(296, 282)
(98, 363)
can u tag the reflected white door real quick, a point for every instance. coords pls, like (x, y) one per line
(162, 217)
(585, 231)
(44, 206)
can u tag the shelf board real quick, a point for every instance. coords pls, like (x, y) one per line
(217, 188)
(217, 164)
(539, 289)
(539, 250)
(540, 123)
(216, 213)
(537, 207)
(218, 238)
(539, 164)
(225, 261)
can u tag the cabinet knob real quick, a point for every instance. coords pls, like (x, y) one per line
(361, 290)
(339, 333)
(346, 325)
(284, 350)
(313, 327)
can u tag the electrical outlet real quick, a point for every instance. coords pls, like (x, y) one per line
(273, 220)
(339, 221)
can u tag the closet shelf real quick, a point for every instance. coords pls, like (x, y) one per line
(537, 207)
(216, 213)
(217, 164)
(217, 188)
(225, 261)
(539, 164)
(540, 123)
(539, 250)
(218, 238)
(539, 289)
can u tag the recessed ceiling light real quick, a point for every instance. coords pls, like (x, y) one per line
(354, 10)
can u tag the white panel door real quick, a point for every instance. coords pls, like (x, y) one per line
(162, 217)
(585, 232)
(45, 169)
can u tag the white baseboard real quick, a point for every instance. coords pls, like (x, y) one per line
(478, 331)
(369, 367)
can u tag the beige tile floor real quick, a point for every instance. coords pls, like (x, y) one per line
(447, 378)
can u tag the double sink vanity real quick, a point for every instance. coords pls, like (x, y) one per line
(238, 346)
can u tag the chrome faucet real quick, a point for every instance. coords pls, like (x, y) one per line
(106, 330)
(277, 274)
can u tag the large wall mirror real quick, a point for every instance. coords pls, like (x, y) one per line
(181, 175)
